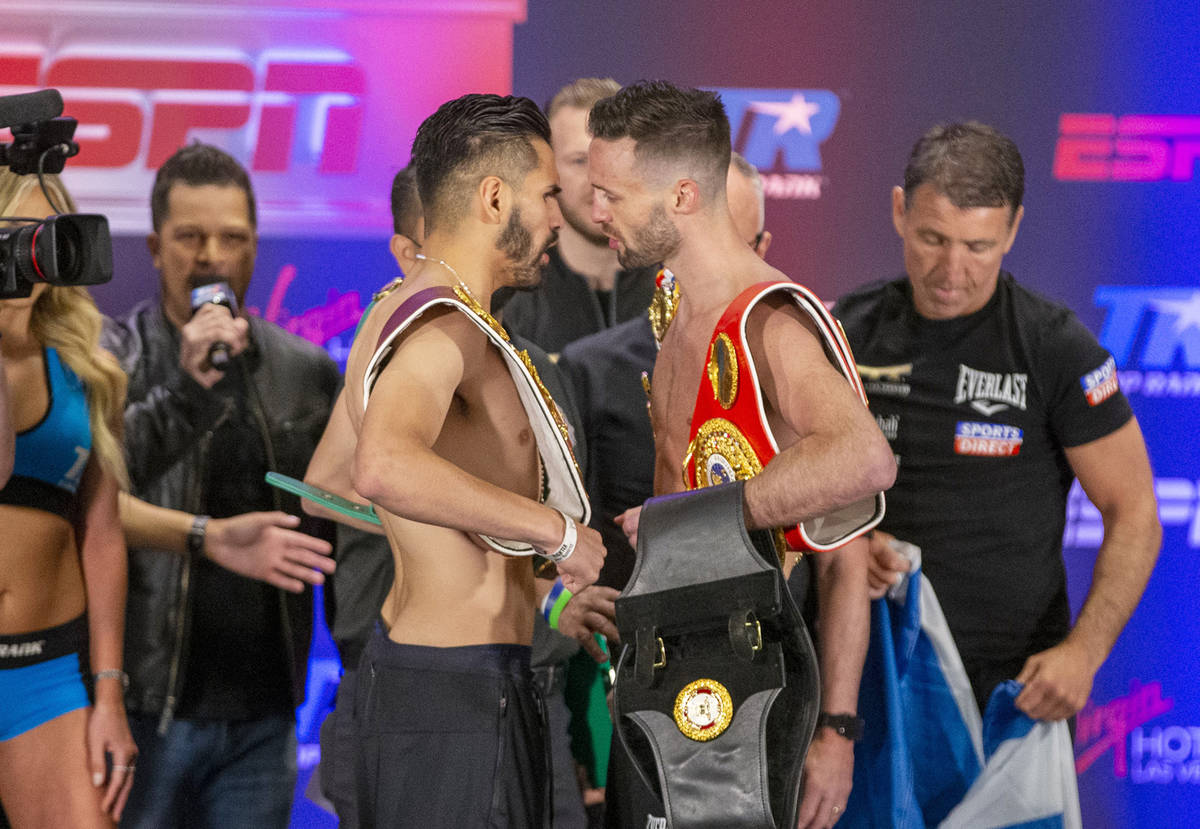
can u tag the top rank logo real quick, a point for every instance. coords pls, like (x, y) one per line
(780, 131)
(1102, 147)
(1154, 336)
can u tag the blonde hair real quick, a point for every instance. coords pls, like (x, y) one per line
(67, 319)
(582, 94)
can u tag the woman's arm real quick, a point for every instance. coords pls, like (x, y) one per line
(8, 437)
(103, 557)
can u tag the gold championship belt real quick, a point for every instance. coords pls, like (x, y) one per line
(730, 436)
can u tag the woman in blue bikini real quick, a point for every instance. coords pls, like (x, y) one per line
(64, 761)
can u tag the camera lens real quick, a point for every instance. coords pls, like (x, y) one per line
(49, 251)
(67, 252)
(23, 243)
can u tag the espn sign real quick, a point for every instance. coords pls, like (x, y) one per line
(1101, 147)
(319, 99)
(140, 108)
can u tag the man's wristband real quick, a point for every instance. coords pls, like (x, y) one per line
(555, 601)
(849, 726)
(567, 545)
(112, 673)
(195, 536)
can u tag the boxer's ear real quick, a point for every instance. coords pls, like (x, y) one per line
(493, 197)
(686, 194)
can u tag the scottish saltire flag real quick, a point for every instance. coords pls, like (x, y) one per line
(927, 759)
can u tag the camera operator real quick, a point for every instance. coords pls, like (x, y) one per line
(217, 661)
(63, 761)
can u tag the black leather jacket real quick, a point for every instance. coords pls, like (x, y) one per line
(169, 420)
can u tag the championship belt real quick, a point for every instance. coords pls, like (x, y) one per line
(562, 485)
(717, 690)
(730, 437)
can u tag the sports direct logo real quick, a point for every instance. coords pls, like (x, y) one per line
(1102, 147)
(987, 439)
(780, 131)
(288, 107)
(1101, 384)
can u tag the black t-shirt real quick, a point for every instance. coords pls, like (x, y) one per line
(563, 308)
(978, 410)
(236, 667)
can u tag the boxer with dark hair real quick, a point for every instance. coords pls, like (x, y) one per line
(463, 457)
(658, 162)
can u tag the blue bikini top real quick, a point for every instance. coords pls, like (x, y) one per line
(51, 454)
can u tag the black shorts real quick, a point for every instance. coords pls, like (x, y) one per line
(449, 737)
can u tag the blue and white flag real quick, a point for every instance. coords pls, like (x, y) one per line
(927, 759)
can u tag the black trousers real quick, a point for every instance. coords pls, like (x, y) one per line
(449, 737)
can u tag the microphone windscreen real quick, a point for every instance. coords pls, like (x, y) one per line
(29, 107)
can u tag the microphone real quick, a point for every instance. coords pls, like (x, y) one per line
(216, 293)
(30, 107)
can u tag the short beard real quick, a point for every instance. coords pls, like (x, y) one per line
(653, 243)
(516, 243)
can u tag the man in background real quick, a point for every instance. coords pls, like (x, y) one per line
(216, 661)
(993, 399)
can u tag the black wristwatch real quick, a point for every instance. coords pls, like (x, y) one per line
(849, 726)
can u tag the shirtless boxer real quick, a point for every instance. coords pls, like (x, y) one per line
(457, 470)
(658, 163)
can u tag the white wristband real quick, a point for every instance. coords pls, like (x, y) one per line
(567, 546)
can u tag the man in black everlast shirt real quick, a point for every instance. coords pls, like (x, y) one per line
(993, 399)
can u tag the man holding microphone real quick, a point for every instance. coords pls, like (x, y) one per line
(216, 660)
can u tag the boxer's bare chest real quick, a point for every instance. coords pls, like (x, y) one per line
(677, 374)
(487, 431)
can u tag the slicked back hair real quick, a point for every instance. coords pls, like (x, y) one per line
(972, 164)
(669, 124)
(406, 203)
(196, 165)
(582, 94)
(467, 139)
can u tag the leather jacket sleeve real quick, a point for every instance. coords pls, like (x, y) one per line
(166, 410)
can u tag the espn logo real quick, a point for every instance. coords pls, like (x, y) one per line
(144, 106)
(1103, 147)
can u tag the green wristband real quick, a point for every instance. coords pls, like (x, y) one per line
(557, 608)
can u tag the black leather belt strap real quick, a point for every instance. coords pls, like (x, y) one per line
(707, 605)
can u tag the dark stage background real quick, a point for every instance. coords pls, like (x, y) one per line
(826, 99)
